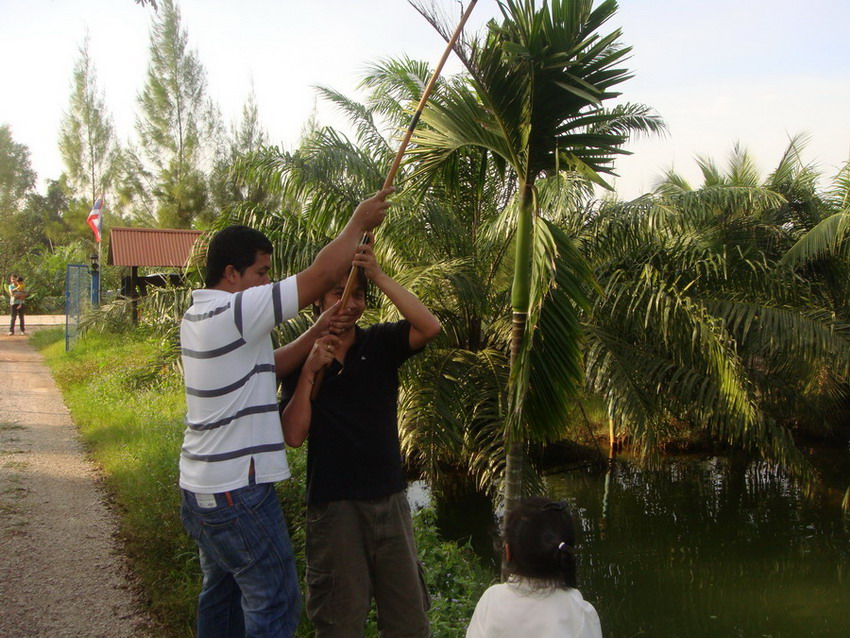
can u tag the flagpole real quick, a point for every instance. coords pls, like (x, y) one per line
(100, 249)
(95, 222)
(99, 260)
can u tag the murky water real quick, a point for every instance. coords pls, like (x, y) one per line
(710, 547)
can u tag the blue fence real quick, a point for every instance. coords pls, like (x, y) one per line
(77, 300)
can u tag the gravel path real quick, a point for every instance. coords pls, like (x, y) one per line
(62, 572)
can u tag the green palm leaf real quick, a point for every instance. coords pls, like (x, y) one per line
(829, 237)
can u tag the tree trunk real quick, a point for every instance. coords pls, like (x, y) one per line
(514, 441)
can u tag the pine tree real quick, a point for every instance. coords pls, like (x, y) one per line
(17, 177)
(178, 124)
(250, 135)
(86, 135)
(246, 137)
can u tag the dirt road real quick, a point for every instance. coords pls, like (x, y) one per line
(61, 568)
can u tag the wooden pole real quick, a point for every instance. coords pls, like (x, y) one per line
(352, 276)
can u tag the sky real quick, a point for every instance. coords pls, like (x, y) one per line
(754, 72)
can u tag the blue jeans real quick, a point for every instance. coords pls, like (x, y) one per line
(250, 582)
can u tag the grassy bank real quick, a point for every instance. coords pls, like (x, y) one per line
(127, 401)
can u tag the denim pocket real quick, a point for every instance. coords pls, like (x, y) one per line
(225, 540)
(254, 497)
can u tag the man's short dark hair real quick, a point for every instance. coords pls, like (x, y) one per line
(362, 282)
(235, 246)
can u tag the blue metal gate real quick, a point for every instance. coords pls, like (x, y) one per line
(77, 293)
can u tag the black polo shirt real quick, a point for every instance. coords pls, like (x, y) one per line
(353, 450)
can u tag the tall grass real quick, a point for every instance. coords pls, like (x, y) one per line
(125, 394)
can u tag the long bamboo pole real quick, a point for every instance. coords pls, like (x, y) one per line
(352, 276)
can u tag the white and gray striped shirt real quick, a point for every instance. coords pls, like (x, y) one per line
(231, 389)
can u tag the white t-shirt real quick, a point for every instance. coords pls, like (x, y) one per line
(514, 610)
(231, 387)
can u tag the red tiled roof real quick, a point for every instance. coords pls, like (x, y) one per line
(151, 247)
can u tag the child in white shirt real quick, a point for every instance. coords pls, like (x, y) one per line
(540, 598)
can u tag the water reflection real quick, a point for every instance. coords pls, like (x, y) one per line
(464, 515)
(710, 547)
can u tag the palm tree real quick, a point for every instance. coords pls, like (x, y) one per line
(696, 324)
(823, 243)
(446, 241)
(534, 102)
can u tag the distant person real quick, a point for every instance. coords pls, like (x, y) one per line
(17, 294)
(360, 542)
(10, 288)
(233, 449)
(540, 599)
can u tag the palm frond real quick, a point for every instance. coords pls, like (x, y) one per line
(547, 371)
(829, 237)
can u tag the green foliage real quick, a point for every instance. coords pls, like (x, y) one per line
(535, 93)
(828, 237)
(534, 100)
(40, 240)
(177, 129)
(700, 329)
(86, 136)
(45, 276)
(454, 575)
(451, 231)
(227, 190)
(16, 175)
(691, 326)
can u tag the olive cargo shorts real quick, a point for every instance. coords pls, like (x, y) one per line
(360, 549)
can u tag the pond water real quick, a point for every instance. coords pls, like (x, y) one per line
(710, 547)
(703, 547)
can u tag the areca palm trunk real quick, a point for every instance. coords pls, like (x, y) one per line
(519, 302)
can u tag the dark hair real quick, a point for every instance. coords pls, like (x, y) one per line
(20, 280)
(235, 246)
(542, 541)
(362, 282)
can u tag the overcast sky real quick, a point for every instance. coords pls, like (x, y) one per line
(752, 71)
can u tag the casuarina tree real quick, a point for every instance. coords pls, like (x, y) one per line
(86, 136)
(178, 124)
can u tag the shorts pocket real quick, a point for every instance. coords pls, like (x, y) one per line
(317, 513)
(320, 591)
(426, 596)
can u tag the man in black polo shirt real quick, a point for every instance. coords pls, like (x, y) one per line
(359, 532)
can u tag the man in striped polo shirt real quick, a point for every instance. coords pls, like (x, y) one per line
(233, 448)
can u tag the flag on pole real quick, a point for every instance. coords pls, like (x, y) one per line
(95, 219)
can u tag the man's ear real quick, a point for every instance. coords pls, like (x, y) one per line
(230, 273)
